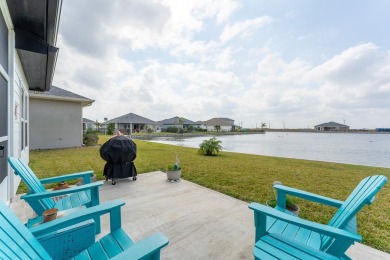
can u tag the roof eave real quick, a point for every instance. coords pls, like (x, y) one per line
(36, 28)
(47, 97)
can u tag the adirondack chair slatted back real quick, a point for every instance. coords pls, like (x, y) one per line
(363, 194)
(16, 241)
(31, 180)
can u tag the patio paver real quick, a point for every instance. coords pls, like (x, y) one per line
(200, 223)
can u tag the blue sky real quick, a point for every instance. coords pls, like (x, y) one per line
(286, 63)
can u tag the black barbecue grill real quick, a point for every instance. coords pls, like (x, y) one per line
(119, 152)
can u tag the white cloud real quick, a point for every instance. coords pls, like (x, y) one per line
(201, 59)
(243, 28)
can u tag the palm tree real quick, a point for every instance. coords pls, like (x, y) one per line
(97, 124)
(263, 125)
(210, 147)
(181, 121)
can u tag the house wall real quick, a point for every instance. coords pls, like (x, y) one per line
(12, 86)
(332, 128)
(4, 109)
(55, 124)
(156, 128)
(87, 126)
(125, 127)
(224, 128)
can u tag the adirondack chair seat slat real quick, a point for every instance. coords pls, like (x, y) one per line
(294, 232)
(109, 246)
(275, 246)
(71, 201)
(268, 221)
(18, 242)
(70, 198)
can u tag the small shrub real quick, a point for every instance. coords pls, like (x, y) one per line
(110, 128)
(210, 147)
(190, 129)
(90, 139)
(172, 129)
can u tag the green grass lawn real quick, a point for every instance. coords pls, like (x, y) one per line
(243, 176)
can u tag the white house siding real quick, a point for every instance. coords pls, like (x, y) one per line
(126, 127)
(5, 98)
(67, 132)
(224, 128)
(15, 84)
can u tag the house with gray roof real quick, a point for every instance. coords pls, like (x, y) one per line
(131, 123)
(56, 118)
(332, 126)
(225, 124)
(88, 124)
(179, 122)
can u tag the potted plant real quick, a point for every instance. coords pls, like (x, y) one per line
(290, 205)
(174, 170)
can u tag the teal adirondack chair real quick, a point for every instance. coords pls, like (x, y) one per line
(40, 199)
(334, 238)
(19, 242)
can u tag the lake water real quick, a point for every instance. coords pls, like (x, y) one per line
(361, 149)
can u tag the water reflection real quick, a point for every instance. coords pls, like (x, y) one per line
(351, 148)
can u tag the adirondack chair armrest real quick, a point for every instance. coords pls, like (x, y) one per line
(284, 190)
(144, 248)
(112, 207)
(262, 210)
(86, 175)
(54, 193)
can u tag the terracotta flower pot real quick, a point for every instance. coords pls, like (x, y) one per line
(49, 215)
(61, 186)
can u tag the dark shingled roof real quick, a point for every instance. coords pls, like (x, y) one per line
(175, 121)
(330, 124)
(217, 121)
(86, 120)
(131, 118)
(60, 94)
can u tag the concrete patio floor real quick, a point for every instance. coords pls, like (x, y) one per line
(200, 223)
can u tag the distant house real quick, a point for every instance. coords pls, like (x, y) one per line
(332, 126)
(131, 123)
(176, 121)
(88, 124)
(225, 124)
(56, 119)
